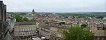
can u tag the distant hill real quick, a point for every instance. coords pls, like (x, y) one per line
(91, 14)
(84, 14)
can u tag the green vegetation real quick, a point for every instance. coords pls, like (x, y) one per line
(21, 19)
(84, 14)
(105, 31)
(83, 26)
(100, 17)
(77, 33)
(25, 19)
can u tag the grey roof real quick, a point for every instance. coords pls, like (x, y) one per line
(25, 23)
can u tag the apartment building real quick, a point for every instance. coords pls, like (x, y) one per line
(24, 30)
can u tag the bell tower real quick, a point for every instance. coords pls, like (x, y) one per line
(33, 12)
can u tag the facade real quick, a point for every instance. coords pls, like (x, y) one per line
(24, 31)
(3, 24)
(11, 21)
(2, 11)
(50, 31)
(100, 26)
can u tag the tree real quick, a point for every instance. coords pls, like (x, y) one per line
(100, 17)
(25, 19)
(18, 18)
(77, 33)
(83, 25)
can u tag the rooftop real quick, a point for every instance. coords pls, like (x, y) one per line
(25, 23)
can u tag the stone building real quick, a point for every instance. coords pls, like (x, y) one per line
(100, 26)
(11, 21)
(2, 11)
(3, 24)
(51, 31)
(24, 31)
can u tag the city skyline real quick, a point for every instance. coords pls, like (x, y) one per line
(56, 5)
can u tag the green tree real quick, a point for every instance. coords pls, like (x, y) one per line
(100, 17)
(18, 18)
(25, 19)
(77, 33)
(83, 25)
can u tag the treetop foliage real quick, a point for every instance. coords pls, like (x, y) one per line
(77, 33)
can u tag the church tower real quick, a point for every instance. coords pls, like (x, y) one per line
(33, 12)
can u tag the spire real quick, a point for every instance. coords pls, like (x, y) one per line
(33, 11)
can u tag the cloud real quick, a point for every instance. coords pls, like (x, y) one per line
(56, 5)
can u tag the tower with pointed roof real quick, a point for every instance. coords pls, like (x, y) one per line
(33, 11)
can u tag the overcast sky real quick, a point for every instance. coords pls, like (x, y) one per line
(56, 5)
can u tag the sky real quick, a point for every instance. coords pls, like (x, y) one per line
(56, 5)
